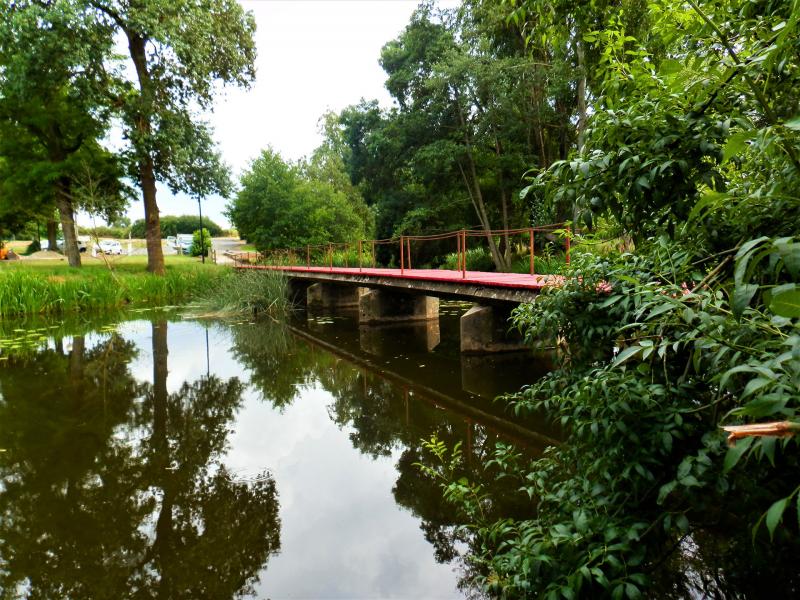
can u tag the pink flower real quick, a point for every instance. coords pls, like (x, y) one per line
(603, 287)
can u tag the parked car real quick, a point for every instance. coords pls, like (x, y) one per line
(183, 243)
(109, 247)
(83, 244)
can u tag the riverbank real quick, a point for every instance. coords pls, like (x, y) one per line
(41, 287)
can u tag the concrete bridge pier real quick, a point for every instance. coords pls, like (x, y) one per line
(384, 340)
(298, 291)
(486, 329)
(331, 295)
(380, 306)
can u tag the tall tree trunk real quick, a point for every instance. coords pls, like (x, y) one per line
(506, 244)
(67, 214)
(155, 253)
(581, 93)
(477, 194)
(161, 461)
(52, 231)
(147, 178)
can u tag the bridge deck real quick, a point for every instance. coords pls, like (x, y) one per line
(472, 278)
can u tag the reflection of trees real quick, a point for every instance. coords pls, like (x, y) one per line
(277, 364)
(383, 416)
(116, 489)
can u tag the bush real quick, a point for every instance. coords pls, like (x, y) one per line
(172, 226)
(104, 231)
(201, 244)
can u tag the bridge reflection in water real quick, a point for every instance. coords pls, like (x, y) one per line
(423, 359)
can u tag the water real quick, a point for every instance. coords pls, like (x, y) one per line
(166, 457)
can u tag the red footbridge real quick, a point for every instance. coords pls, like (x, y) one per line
(355, 264)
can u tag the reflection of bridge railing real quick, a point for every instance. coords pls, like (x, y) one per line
(363, 252)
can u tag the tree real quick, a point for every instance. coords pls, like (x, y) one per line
(201, 242)
(173, 225)
(280, 207)
(179, 49)
(691, 146)
(52, 116)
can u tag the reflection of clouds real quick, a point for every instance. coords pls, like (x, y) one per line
(342, 534)
(186, 361)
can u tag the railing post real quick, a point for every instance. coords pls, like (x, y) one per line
(408, 260)
(308, 256)
(330, 256)
(458, 251)
(402, 255)
(463, 254)
(359, 256)
(373, 254)
(530, 242)
(569, 235)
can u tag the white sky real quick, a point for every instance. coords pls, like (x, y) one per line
(313, 56)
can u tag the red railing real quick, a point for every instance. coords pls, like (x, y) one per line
(312, 254)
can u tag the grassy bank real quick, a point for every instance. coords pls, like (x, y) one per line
(40, 287)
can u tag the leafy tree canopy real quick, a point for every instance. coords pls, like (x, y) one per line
(284, 205)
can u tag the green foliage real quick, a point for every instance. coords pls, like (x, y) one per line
(54, 290)
(691, 149)
(201, 242)
(106, 231)
(173, 225)
(248, 292)
(282, 206)
(53, 116)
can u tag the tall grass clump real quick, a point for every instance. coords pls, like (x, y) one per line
(340, 257)
(50, 291)
(249, 291)
(479, 259)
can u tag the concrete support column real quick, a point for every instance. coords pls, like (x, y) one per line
(485, 329)
(298, 291)
(384, 340)
(331, 295)
(381, 306)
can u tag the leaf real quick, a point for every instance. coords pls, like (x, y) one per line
(775, 514)
(735, 453)
(743, 257)
(626, 354)
(754, 385)
(665, 491)
(786, 302)
(670, 67)
(742, 295)
(632, 591)
(736, 144)
(793, 123)
(662, 308)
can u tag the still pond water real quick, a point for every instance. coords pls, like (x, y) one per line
(158, 456)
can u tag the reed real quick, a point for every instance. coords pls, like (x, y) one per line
(248, 292)
(56, 290)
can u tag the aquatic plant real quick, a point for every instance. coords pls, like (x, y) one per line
(54, 290)
(248, 291)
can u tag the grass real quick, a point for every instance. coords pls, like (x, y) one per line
(479, 259)
(42, 287)
(248, 292)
